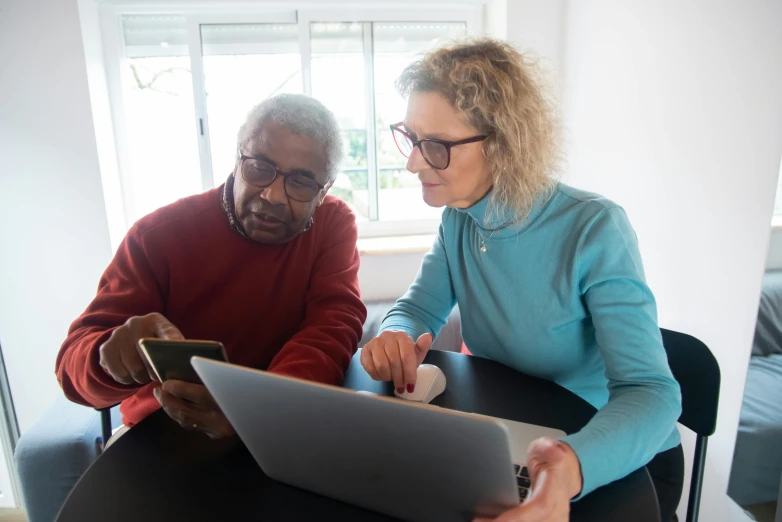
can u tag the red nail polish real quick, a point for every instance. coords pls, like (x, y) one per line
(400, 390)
(410, 388)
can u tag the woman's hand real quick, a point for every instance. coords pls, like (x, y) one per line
(394, 356)
(556, 478)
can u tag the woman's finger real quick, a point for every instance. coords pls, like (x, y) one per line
(368, 363)
(381, 363)
(409, 366)
(394, 357)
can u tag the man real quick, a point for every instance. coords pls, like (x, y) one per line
(266, 264)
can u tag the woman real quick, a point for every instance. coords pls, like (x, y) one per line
(548, 278)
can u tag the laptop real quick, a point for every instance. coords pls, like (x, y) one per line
(413, 461)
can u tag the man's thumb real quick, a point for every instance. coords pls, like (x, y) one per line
(423, 343)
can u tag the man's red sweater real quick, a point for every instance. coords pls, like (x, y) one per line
(293, 309)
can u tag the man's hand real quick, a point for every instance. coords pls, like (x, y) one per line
(121, 355)
(394, 356)
(556, 478)
(192, 406)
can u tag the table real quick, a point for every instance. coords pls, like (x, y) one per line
(160, 472)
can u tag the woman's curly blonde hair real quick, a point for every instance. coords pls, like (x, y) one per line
(502, 93)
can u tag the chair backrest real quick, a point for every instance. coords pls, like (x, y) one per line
(698, 375)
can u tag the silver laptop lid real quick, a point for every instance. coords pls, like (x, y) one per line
(408, 460)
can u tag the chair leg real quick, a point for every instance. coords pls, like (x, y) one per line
(696, 483)
(105, 423)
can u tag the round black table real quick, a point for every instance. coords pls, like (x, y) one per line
(158, 471)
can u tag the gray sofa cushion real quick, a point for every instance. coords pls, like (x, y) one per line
(757, 461)
(768, 332)
(53, 453)
(449, 339)
(376, 312)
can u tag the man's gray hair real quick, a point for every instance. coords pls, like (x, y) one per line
(301, 115)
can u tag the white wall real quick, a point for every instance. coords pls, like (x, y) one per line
(675, 111)
(536, 25)
(54, 240)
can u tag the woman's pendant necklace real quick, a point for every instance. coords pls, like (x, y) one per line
(483, 248)
(508, 223)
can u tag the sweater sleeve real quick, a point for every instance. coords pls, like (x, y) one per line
(426, 305)
(322, 349)
(644, 399)
(127, 288)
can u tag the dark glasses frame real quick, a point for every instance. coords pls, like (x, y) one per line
(277, 172)
(398, 128)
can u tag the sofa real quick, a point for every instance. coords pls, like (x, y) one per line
(53, 453)
(757, 459)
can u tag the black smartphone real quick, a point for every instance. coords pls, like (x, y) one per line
(171, 359)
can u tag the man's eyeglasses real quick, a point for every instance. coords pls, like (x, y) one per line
(437, 153)
(260, 173)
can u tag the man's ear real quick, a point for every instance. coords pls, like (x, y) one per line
(238, 162)
(325, 192)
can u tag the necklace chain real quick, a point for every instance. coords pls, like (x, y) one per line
(492, 232)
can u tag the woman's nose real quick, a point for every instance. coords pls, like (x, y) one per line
(416, 162)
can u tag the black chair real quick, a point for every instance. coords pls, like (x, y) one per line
(105, 426)
(698, 375)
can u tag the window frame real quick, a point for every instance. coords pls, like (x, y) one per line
(469, 13)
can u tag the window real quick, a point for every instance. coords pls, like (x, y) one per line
(185, 82)
(244, 64)
(396, 45)
(354, 69)
(161, 163)
(338, 80)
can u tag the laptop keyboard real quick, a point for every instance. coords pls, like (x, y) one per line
(522, 481)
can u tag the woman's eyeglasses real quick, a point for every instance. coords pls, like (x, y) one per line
(260, 173)
(437, 153)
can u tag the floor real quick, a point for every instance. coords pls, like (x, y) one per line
(12, 515)
(762, 512)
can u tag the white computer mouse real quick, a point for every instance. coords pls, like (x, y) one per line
(429, 384)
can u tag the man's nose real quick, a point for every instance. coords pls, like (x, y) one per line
(416, 162)
(275, 193)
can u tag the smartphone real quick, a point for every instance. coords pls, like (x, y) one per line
(171, 359)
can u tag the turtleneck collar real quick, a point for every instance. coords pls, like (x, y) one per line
(498, 225)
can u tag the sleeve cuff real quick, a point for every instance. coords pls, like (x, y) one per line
(410, 326)
(589, 461)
